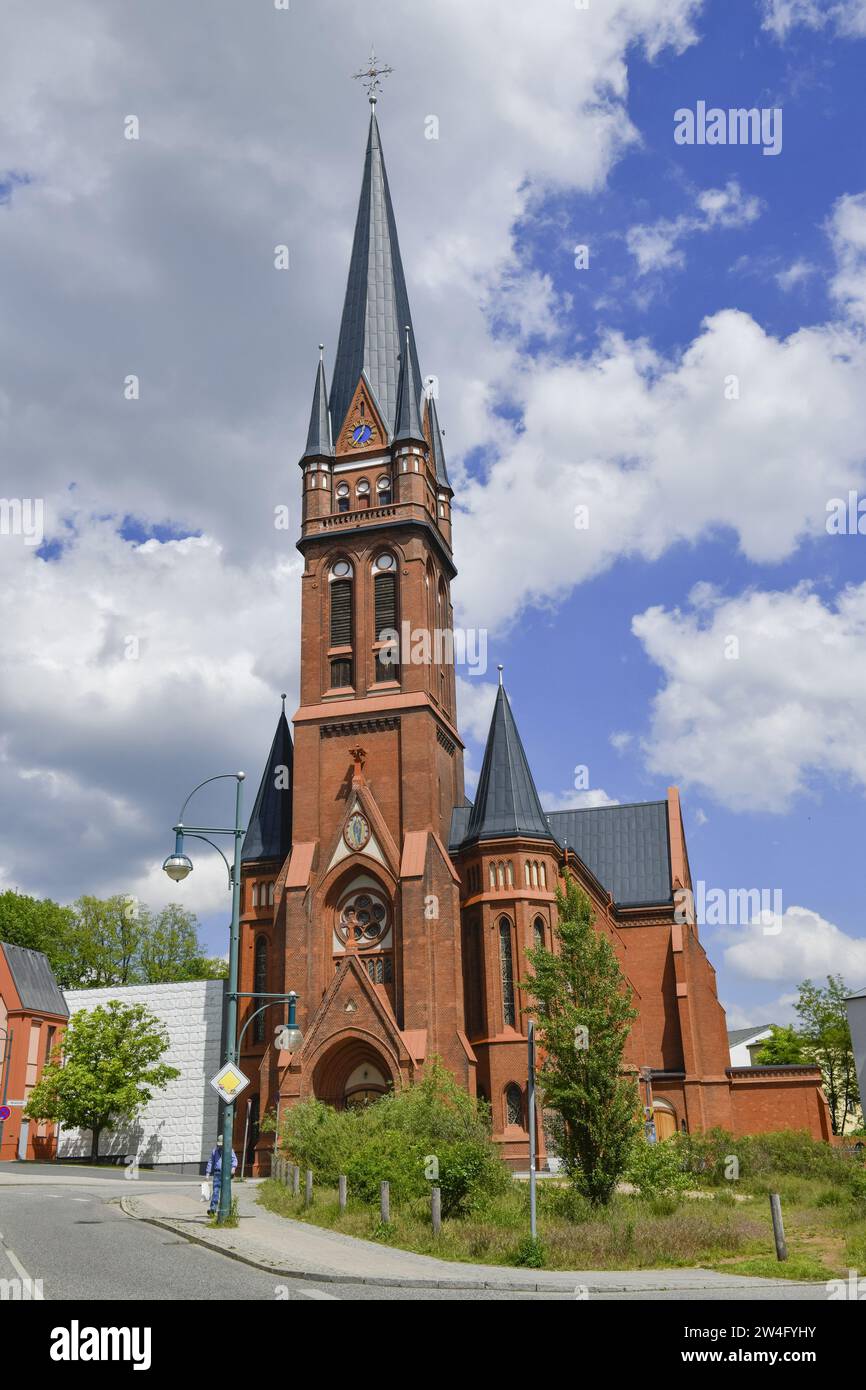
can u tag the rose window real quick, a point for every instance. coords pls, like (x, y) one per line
(363, 918)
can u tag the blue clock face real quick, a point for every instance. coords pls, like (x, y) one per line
(361, 434)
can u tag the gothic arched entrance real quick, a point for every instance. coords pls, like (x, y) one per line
(352, 1072)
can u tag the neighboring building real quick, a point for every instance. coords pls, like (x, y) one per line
(856, 1008)
(399, 911)
(746, 1043)
(179, 1126)
(33, 1016)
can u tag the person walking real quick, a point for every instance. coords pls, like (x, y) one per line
(214, 1169)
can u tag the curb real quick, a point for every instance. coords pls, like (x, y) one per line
(405, 1282)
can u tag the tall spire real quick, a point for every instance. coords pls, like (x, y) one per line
(376, 307)
(407, 422)
(320, 442)
(269, 833)
(506, 803)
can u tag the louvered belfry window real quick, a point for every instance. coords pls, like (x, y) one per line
(341, 613)
(385, 620)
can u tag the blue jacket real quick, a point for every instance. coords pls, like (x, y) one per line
(215, 1162)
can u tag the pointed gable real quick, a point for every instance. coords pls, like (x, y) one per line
(376, 307)
(269, 833)
(507, 802)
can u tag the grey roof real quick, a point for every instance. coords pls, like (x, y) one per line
(438, 446)
(376, 307)
(626, 847)
(320, 441)
(269, 833)
(407, 421)
(741, 1035)
(34, 980)
(506, 802)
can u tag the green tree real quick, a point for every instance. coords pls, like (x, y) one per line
(169, 948)
(38, 924)
(105, 941)
(827, 1041)
(109, 1068)
(783, 1048)
(584, 1013)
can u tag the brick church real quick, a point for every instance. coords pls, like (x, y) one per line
(398, 910)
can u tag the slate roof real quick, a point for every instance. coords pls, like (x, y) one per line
(438, 446)
(506, 802)
(320, 441)
(741, 1035)
(269, 833)
(376, 307)
(34, 980)
(407, 422)
(626, 847)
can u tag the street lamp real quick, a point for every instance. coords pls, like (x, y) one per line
(178, 866)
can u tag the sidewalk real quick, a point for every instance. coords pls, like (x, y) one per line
(295, 1250)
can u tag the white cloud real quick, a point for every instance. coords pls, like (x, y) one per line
(847, 17)
(802, 945)
(847, 226)
(655, 246)
(575, 800)
(795, 274)
(759, 729)
(621, 741)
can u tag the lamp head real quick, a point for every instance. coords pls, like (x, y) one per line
(178, 867)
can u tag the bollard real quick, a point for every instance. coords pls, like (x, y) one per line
(436, 1209)
(296, 1179)
(342, 1184)
(308, 1191)
(778, 1227)
(385, 1202)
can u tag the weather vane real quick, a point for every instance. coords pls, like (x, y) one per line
(371, 75)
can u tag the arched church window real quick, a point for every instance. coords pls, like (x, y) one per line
(535, 873)
(538, 932)
(343, 498)
(543, 872)
(270, 895)
(340, 584)
(363, 493)
(509, 874)
(506, 966)
(500, 874)
(260, 985)
(492, 874)
(526, 873)
(383, 492)
(254, 895)
(513, 1105)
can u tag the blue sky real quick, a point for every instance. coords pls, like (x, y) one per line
(559, 387)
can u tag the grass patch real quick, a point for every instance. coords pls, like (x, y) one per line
(802, 1268)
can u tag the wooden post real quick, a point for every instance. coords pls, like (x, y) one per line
(342, 1183)
(308, 1191)
(778, 1227)
(385, 1202)
(436, 1209)
(296, 1179)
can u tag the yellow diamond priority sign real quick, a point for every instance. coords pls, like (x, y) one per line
(229, 1082)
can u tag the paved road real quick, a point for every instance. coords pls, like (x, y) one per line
(82, 1246)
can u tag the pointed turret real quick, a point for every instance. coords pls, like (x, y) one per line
(269, 833)
(506, 803)
(407, 422)
(437, 444)
(320, 440)
(376, 306)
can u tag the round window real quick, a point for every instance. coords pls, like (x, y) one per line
(384, 484)
(343, 490)
(385, 562)
(341, 570)
(363, 918)
(363, 485)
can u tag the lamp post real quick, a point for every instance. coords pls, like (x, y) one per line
(7, 1062)
(178, 866)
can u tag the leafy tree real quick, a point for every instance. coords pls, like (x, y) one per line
(827, 1041)
(108, 1070)
(39, 925)
(783, 1048)
(169, 948)
(105, 941)
(579, 995)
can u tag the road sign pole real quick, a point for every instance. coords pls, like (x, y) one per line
(225, 1202)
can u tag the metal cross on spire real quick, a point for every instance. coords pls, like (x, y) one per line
(371, 75)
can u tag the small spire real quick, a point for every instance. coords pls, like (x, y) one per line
(437, 437)
(407, 424)
(320, 443)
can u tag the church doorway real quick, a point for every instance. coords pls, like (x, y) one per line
(665, 1119)
(351, 1073)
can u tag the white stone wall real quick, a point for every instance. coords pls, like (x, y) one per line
(180, 1123)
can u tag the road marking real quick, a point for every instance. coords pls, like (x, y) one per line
(317, 1293)
(20, 1270)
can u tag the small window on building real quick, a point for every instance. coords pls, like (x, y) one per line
(343, 501)
(270, 895)
(538, 932)
(543, 872)
(492, 874)
(507, 972)
(513, 1105)
(362, 492)
(260, 985)
(341, 673)
(383, 492)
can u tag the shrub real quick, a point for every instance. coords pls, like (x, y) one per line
(529, 1253)
(656, 1170)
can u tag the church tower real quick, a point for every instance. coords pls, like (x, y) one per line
(366, 914)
